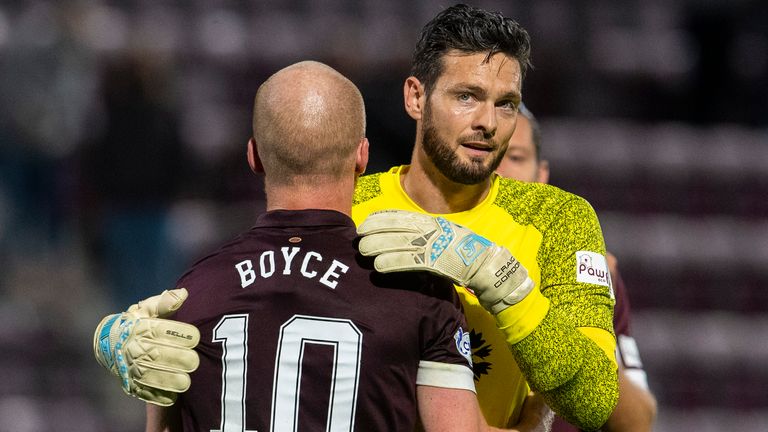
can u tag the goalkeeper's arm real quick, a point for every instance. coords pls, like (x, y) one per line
(570, 367)
(567, 365)
(150, 355)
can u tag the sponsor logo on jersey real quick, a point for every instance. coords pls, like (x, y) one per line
(592, 268)
(463, 344)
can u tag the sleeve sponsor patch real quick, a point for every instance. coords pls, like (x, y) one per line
(592, 268)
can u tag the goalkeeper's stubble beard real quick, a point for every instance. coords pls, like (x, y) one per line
(447, 160)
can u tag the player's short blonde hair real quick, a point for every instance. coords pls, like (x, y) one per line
(307, 122)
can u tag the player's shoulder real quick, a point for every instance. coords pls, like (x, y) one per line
(533, 200)
(367, 188)
(408, 284)
(204, 264)
(515, 190)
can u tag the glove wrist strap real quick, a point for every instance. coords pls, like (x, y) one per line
(517, 295)
(103, 341)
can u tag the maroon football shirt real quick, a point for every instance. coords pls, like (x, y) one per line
(299, 333)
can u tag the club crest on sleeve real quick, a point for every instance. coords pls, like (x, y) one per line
(463, 344)
(592, 268)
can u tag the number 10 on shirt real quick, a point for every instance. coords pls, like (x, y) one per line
(341, 334)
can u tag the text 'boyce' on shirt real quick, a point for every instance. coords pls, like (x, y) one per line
(309, 266)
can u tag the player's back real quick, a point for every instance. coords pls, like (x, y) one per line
(299, 333)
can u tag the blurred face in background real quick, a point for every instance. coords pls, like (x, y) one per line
(521, 161)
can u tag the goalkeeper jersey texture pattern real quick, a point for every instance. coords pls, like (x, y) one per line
(298, 332)
(548, 230)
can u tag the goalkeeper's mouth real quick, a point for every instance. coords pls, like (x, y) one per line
(476, 148)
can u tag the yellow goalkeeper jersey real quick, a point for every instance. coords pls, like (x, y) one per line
(556, 236)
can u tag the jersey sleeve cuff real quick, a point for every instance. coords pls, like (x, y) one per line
(639, 377)
(519, 320)
(445, 375)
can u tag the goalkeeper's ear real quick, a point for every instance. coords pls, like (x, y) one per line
(414, 97)
(253, 158)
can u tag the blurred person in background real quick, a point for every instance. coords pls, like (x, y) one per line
(636, 409)
(132, 170)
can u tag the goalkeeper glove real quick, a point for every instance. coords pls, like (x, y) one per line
(407, 241)
(152, 356)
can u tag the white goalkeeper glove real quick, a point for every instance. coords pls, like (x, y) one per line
(408, 241)
(152, 356)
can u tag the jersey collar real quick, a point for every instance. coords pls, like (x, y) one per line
(477, 210)
(300, 218)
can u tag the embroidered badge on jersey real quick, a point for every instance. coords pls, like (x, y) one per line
(463, 344)
(592, 268)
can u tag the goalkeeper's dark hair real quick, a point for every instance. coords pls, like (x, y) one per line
(535, 129)
(469, 30)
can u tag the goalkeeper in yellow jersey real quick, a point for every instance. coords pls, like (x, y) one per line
(529, 258)
(553, 333)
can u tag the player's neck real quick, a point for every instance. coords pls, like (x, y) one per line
(435, 193)
(326, 196)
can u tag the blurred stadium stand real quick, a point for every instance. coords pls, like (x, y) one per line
(654, 111)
